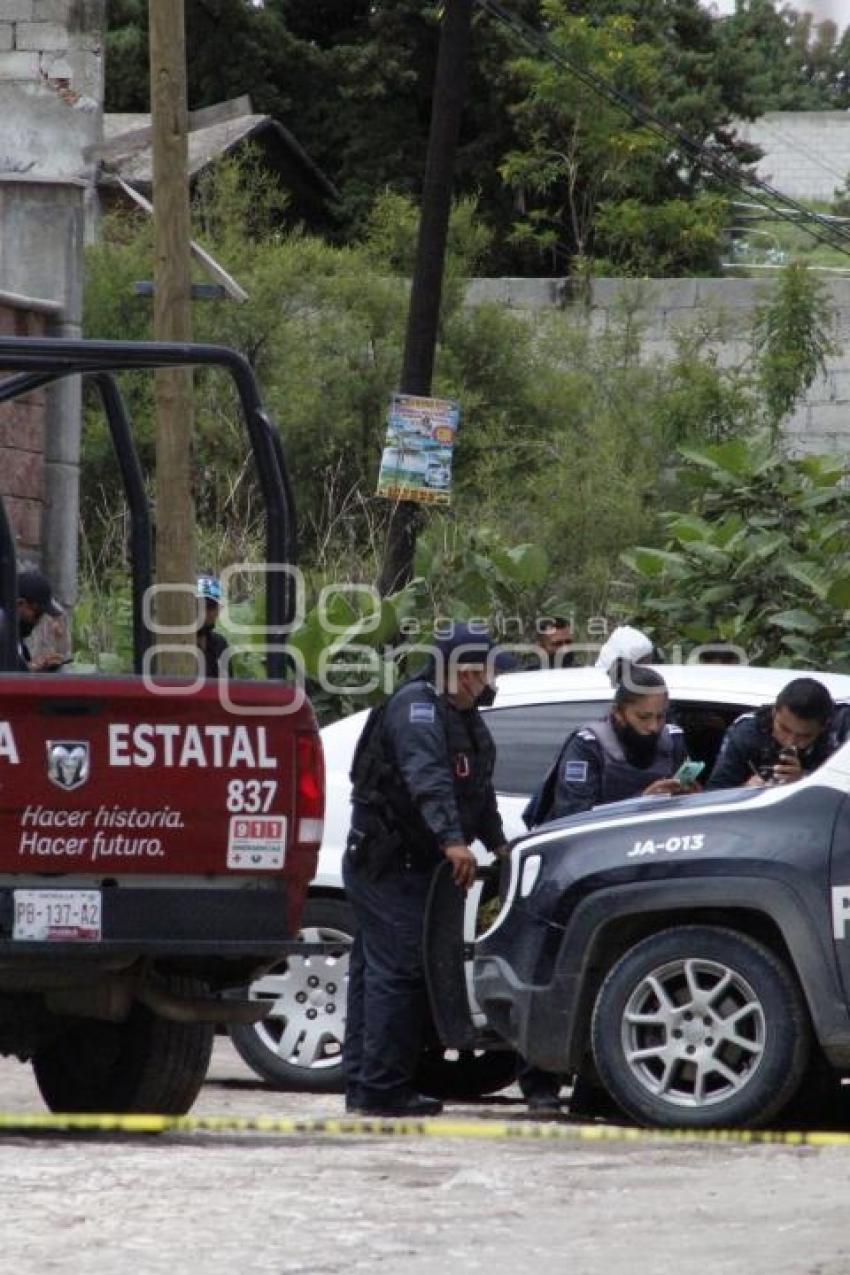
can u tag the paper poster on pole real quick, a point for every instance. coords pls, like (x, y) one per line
(417, 459)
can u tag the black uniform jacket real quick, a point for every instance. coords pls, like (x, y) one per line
(593, 774)
(437, 785)
(749, 747)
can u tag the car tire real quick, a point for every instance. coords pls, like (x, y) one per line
(288, 1049)
(271, 1047)
(697, 1027)
(145, 1064)
(466, 1075)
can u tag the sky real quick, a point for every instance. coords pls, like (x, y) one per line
(837, 11)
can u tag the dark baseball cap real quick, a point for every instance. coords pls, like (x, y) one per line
(35, 588)
(464, 645)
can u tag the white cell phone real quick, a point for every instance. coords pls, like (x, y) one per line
(689, 772)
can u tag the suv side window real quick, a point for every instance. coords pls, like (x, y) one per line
(704, 726)
(529, 736)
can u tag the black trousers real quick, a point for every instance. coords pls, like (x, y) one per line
(535, 1083)
(387, 999)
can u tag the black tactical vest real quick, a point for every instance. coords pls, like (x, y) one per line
(620, 778)
(383, 807)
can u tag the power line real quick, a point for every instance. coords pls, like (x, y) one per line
(721, 168)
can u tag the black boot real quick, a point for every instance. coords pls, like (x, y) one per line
(409, 1104)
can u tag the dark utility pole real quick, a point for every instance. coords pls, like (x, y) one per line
(427, 286)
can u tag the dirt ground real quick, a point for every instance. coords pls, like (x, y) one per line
(318, 1205)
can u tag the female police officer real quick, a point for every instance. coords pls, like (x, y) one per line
(632, 753)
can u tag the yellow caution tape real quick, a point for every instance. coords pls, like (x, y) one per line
(489, 1130)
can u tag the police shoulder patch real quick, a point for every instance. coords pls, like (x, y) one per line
(422, 713)
(575, 772)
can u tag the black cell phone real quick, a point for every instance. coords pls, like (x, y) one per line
(768, 757)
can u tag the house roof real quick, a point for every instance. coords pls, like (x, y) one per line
(214, 132)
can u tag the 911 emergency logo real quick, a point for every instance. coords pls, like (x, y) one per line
(68, 762)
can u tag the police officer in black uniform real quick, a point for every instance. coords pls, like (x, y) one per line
(35, 599)
(422, 792)
(634, 752)
(780, 742)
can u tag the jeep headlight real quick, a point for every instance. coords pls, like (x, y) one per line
(530, 873)
(524, 874)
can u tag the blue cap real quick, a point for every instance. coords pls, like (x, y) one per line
(505, 662)
(209, 587)
(464, 646)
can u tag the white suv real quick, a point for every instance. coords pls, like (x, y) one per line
(298, 1045)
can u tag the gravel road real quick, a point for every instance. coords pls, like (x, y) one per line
(175, 1204)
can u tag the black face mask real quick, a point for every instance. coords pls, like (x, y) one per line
(486, 698)
(639, 748)
(25, 627)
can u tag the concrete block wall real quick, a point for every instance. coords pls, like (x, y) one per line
(51, 126)
(51, 87)
(806, 153)
(41, 256)
(666, 308)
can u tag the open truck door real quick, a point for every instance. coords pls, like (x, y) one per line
(450, 926)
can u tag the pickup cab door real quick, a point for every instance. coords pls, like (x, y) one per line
(450, 922)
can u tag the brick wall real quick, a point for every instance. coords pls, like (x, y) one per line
(22, 433)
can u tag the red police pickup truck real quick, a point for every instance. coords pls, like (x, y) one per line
(157, 836)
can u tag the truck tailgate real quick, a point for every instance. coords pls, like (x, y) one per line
(114, 776)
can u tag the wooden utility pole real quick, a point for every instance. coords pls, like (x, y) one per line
(172, 321)
(427, 286)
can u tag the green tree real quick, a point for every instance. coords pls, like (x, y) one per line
(127, 86)
(323, 328)
(793, 338)
(593, 181)
(233, 48)
(754, 561)
(777, 59)
(568, 433)
(556, 172)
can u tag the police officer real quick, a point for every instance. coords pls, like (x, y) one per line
(632, 753)
(422, 792)
(212, 645)
(554, 639)
(780, 742)
(35, 599)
